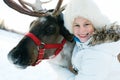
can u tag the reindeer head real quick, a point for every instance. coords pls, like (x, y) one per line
(47, 29)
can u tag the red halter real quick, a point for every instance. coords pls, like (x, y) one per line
(45, 46)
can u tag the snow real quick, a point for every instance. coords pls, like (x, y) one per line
(8, 71)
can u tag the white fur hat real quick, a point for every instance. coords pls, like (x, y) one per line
(87, 9)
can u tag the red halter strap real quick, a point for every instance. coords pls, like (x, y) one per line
(42, 46)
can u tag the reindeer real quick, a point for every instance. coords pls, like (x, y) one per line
(47, 38)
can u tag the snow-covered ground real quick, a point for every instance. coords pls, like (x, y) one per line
(8, 71)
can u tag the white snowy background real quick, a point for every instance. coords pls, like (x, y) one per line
(20, 22)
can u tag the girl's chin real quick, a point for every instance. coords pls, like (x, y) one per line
(84, 40)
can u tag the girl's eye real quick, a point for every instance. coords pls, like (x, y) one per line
(77, 25)
(87, 24)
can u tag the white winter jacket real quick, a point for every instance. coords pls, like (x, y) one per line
(96, 59)
(97, 62)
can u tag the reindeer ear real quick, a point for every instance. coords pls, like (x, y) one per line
(63, 31)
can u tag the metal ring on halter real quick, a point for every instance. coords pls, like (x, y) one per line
(42, 45)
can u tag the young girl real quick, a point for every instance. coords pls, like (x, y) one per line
(97, 50)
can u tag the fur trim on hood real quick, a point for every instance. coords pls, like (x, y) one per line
(87, 9)
(106, 35)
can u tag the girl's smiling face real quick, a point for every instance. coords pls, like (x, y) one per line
(82, 28)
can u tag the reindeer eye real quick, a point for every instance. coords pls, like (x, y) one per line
(50, 30)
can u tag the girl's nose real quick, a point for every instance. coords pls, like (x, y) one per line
(82, 29)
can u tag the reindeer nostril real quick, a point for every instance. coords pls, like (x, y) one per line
(13, 58)
(17, 59)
